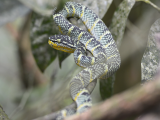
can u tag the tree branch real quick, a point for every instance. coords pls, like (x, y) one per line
(149, 2)
(130, 103)
(30, 71)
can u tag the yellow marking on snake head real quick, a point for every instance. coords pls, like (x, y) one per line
(52, 44)
(61, 48)
(80, 35)
(70, 29)
(66, 49)
(49, 42)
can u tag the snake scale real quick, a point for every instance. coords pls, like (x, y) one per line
(98, 41)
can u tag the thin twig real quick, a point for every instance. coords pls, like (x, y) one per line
(152, 4)
(12, 30)
(22, 103)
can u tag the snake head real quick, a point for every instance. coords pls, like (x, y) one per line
(62, 43)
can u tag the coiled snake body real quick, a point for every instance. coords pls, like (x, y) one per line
(99, 41)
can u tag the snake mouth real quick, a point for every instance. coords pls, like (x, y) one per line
(51, 43)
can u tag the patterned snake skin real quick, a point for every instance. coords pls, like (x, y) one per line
(98, 41)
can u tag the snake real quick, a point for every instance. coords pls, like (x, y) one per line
(98, 40)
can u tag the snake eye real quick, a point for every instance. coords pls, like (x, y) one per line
(53, 40)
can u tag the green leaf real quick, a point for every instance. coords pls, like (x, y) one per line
(119, 20)
(151, 57)
(117, 29)
(106, 87)
(3, 115)
(42, 28)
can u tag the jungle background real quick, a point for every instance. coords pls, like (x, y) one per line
(34, 77)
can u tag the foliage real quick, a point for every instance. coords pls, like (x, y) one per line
(151, 58)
